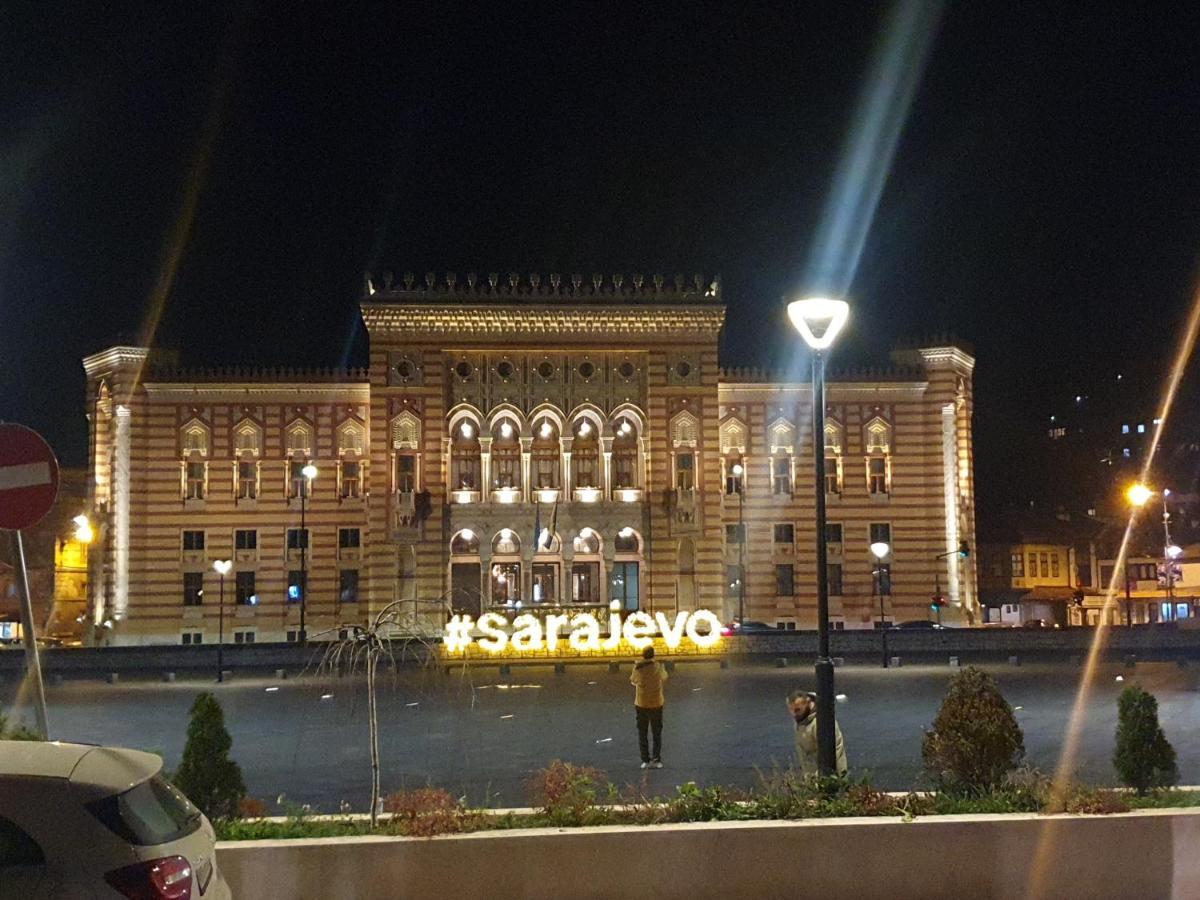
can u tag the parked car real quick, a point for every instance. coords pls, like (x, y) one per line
(919, 623)
(735, 627)
(83, 821)
(1038, 623)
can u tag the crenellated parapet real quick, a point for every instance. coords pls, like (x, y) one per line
(534, 286)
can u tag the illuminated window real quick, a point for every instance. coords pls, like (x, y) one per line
(879, 444)
(834, 442)
(585, 582)
(506, 583)
(465, 457)
(195, 480)
(406, 473)
(545, 582)
(1141, 428)
(781, 475)
(1124, 429)
(685, 471)
(506, 456)
(625, 455)
(544, 453)
(1045, 565)
(1054, 565)
(585, 456)
(247, 479)
(623, 585)
(735, 475)
(244, 589)
(351, 478)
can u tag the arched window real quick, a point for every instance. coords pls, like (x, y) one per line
(733, 449)
(834, 444)
(247, 439)
(196, 442)
(465, 456)
(506, 455)
(625, 454)
(299, 439)
(879, 457)
(733, 437)
(247, 447)
(684, 431)
(465, 543)
(506, 543)
(782, 440)
(351, 440)
(545, 455)
(585, 455)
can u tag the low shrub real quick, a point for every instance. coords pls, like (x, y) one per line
(207, 775)
(568, 794)
(975, 741)
(17, 732)
(693, 803)
(426, 812)
(1144, 758)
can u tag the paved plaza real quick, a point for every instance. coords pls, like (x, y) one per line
(482, 736)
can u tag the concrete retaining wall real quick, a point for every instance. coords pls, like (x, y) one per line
(1150, 854)
(1150, 642)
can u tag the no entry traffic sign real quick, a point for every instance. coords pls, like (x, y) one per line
(28, 477)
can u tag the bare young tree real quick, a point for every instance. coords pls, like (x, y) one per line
(364, 647)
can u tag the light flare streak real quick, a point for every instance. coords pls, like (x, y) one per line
(1045, 856)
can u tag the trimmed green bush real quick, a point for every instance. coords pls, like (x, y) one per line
(975, 741)
(207, 775)
(1144, 758)
(16, 732)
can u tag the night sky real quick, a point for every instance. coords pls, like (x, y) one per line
(1043, 203)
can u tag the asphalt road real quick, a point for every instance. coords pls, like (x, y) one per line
(482, 736)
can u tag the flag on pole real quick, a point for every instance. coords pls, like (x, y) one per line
(537, 526)
(553, 526)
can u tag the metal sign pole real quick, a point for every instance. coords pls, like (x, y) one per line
(33, 663)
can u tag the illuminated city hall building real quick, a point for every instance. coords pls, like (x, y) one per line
(549, 442)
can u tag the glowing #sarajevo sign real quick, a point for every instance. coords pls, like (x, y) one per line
(581, 631)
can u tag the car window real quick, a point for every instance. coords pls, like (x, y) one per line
(17, 848)
(153, 812)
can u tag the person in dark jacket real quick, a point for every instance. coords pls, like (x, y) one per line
(647, 679)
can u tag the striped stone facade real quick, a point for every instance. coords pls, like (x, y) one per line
(552, 444)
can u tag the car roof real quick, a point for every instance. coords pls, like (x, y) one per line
(110, 768)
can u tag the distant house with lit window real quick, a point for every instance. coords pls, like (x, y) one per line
(544, 444)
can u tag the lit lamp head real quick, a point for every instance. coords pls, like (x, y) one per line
(1174, 551)
(506, 430)
(819, 320)
(83, 529)
(738, 470)
(309, 471)
(1138, 494)
(880, 549)
(223, 566)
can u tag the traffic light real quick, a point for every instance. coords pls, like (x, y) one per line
(1077, 596)
(964, 549)
(937, 601)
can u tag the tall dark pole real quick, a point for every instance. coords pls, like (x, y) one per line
(826, 757)
(221, 629)
(875, 586)
(1128, 599)
(305, 487)
(742, 551)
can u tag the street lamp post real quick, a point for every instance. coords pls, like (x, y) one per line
(222, 567)
(1138, 496)
(309, 472)
(879, 550)
(738, 472)
(819, 319)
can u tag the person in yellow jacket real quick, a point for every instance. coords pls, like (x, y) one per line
(803, 707)
(647, 679)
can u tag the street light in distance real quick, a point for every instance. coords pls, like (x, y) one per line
(880, 550)
(222, 567)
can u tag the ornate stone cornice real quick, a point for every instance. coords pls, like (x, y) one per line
(514, 320)
(259, 392)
